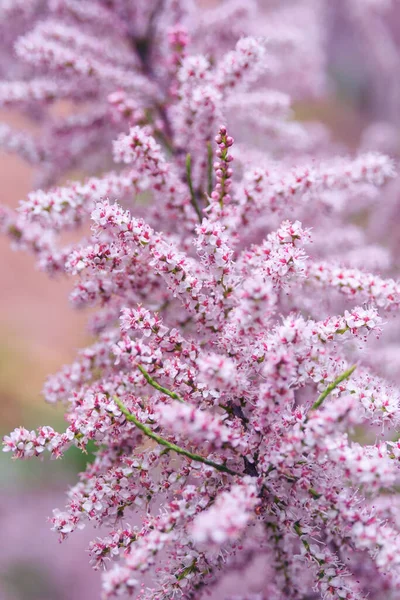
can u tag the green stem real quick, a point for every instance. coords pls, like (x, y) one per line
(159, 387)
(332, 386)
(163, 442)
(300, 533)
(190, 183)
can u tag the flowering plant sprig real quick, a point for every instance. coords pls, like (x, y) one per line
(225, 268)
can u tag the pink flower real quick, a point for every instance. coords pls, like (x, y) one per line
(242, 279)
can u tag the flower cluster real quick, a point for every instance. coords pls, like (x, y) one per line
(238, 391)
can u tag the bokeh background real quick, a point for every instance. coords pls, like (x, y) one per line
(39, 332)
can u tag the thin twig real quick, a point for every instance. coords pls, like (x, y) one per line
(173, 447)
(190, 184)
(159, 387)
(332, 386)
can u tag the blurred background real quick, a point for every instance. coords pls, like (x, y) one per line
(39, 332)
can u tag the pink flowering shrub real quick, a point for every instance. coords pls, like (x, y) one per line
(238, 397)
